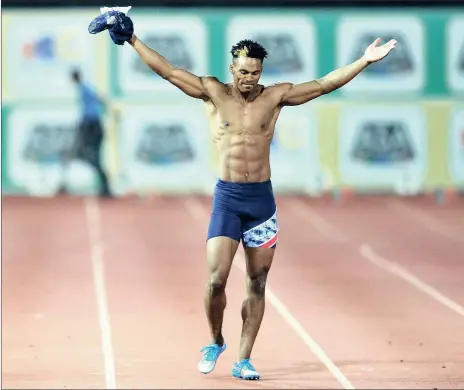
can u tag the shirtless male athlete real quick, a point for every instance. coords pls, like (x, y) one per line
(243, 116)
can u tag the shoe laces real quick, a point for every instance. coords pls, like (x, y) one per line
(211, 352)
(246, 364)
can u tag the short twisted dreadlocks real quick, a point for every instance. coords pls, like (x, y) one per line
(248, 48)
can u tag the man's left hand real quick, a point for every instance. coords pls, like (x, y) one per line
(375, 53)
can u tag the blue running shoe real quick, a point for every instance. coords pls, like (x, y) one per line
(210, 356)
(120, 26)
(103, 22)
(245, 370)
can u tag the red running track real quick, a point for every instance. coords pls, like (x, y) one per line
(109, 295)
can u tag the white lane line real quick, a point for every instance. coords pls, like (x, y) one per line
(92, 213)
(368, 253)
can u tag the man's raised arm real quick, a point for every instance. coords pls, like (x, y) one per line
(121, 30)
(187, 82)
(296, 94)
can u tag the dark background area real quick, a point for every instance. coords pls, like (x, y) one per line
(237, 3)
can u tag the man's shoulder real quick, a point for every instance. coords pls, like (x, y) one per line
(213, 86)
(211, 80)
(278, 89)
(281, 86)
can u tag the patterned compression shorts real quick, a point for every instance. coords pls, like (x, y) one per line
(245, 211)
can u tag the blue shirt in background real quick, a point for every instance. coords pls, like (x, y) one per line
(91, 105)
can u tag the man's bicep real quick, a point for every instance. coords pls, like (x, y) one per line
(189, 83)
(296, 94)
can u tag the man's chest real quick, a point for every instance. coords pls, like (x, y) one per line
(254, 113)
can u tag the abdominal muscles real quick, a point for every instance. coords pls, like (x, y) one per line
(243, 157)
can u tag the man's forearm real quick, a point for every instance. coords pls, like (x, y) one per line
(154, 60)
(338, 78)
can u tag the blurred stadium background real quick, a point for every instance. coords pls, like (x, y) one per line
(397, 128)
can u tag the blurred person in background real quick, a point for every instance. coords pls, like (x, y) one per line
(244, 114)
(90, 133)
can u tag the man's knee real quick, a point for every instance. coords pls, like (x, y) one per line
(217, 283)
(257, 282)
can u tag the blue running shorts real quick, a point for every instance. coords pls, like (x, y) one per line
(245, 211)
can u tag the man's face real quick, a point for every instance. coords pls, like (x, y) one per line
(246, 72)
